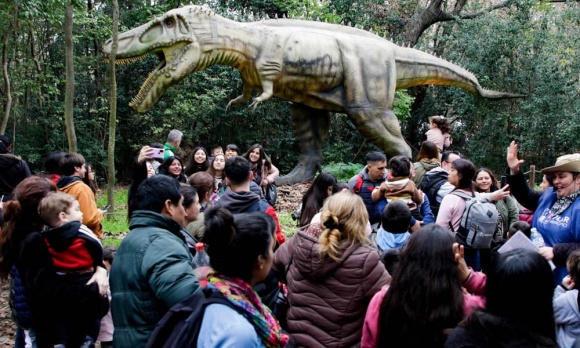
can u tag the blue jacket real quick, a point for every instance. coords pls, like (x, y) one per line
(236, 331)
(387, 240)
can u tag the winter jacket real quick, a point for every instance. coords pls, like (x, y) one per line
(474, 298)
(436, 185)
(387, 240)
(249, 202)
(508, 210)
(92, 216)
(46, 291)
(12, 171)
(566, 316)
(151, 273)
(422, 167)
(563, 228)
(169, 150)
(328, 299)
(485, 330)
(362, 185)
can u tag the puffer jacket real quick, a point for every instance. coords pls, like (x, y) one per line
(151, 273)
(328, 299)
(422, 167)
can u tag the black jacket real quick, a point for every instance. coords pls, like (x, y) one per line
(12, 171)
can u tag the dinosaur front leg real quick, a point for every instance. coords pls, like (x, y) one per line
(310, 127)
(267, 92)
(244, 97)
(380, 126)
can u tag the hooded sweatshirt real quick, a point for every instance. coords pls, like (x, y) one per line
(422, 167)
(328, 298)
(92, 217)
(566, 316)
(12, 171)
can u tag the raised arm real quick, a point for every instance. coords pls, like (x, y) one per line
(516, 181)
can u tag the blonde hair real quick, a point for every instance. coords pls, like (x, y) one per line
(344, 216)
(53, 204)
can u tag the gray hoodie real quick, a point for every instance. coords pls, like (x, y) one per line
(566, 316)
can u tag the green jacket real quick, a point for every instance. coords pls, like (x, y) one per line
(421, 168)
(169, 151)
(509, 212)
(151, 273)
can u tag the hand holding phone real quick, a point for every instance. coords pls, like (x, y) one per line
(158, 153)
(503, 181)
(106, 207)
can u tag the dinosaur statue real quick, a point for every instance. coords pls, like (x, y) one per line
(318, 67)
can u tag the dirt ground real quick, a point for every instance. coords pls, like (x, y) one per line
(289, 198)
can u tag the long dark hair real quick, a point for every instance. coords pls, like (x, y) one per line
(263, 162)
(425, 295)
(428, 151)
(164, 169)
(193, 166)
(87, 181)
(234, 242)
(314, 197)
(21, 217)
(466, 171)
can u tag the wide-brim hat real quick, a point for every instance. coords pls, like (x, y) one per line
(566, 163)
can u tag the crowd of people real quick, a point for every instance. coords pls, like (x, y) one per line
(389, 259)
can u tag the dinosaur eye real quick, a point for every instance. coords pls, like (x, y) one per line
(170, 22)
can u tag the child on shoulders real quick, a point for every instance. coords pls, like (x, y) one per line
(75, 251)
(395, 223)
(566, 312)
(439, 132)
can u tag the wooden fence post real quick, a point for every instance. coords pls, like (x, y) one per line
(532, 176)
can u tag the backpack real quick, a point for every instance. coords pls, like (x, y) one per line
(430, 186)
(478, 222)
(180, 326)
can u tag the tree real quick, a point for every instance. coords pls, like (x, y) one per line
(113, 113)
(7, 87)
(70, 79)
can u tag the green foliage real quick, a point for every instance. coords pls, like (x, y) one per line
(287, 224)
(343, 171)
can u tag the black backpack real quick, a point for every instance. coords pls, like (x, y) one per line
(180, 326)
(430, 186)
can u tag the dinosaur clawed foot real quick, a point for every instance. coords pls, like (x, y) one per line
(300, 173)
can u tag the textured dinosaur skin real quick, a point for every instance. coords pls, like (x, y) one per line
(319, 67)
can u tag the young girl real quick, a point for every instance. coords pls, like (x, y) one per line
(566, 313)
(439, 132)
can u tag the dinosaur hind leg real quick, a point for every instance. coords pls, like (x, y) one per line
(381, 127)
(310, 127)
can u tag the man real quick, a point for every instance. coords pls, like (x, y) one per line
(435, 183)
(171, 147)
(152, 269)
(371, 177)
(12, 169)
(73, 169)
(239, 198)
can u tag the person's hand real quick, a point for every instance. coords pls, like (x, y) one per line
(416, 226)
(568, 283)
(500, 194)
(100, 277)
(264, 183)
(547, 253)
(463, 272)
(145, 154)
(512, 158)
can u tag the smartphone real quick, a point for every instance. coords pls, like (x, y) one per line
(157, 153)
(503, 181)
(106, 207)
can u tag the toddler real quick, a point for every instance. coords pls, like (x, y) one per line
(75, 252)
(439, 132)
(395, 223)
(566, 313)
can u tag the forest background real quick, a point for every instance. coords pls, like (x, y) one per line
(522, 46)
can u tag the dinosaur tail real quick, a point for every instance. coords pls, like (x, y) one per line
(417, 68)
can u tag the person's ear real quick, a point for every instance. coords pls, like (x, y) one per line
(260, 262)
(62, 216)
(168, 208)
(251, 175)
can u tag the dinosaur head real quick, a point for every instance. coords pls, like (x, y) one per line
(171, 39)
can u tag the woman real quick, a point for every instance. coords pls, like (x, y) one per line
(216, 170)
(264, 171)
(556, 210)
(203, 184)
(333, 273)
(508, 209)
(89, 178)
(232, 150)
(453, 205)
(23, 248)
(241, 249)
(425, 296)
(518, 310)
(198, 161)
(173, 167)
(314, 197)
(427, 159)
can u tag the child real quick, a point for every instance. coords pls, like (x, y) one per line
(398, 186)
(439, 132)
(566, 312)
(395, 223)
(531, 233)
(107, 328)
(75, 252)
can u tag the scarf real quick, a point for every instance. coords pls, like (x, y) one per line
(245, 299)
(562, 203)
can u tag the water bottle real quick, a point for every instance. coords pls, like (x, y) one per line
(200, 264)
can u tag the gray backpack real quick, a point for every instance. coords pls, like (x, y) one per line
(478, 222)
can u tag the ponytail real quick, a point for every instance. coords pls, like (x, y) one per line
(331, 235)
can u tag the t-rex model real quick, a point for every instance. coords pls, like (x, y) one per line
(319, 67)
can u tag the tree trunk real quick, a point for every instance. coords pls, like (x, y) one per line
(7, 87)
(70, 79)
(113, 116)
